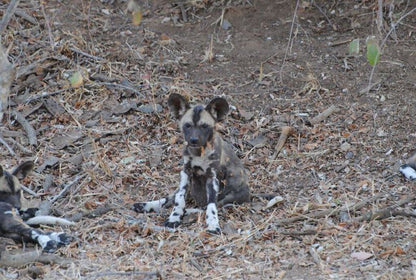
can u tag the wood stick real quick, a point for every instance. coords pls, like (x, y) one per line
(25, 16)
(44, 94)
(97, 212)
(332, 109)
(2, 141)
(30, 131)
(387, 212)
(286, 132)
(8, 14)
(20, 146)
(66, 188)
(329, 212)
(96, 58)
(144, 274)
(29, 191)
(17, 260)
(7, 74)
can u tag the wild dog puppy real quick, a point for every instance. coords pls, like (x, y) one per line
(212, 174)
(11, 225)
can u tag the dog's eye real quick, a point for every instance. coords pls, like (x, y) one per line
(187, 125)
(204, 126)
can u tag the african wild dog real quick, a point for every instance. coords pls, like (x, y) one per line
(11, 225)
(212, 173)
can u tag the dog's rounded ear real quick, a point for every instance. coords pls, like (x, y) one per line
(218, 108)
(177, 105)
(23, 169)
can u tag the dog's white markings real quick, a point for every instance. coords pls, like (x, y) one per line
(212, 218)
(212, 212)
(215, 182)
(43, 240)
(408, 171)
(179, 208)
(154, 205)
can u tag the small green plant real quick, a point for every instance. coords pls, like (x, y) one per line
(373, 50)
(354, 47)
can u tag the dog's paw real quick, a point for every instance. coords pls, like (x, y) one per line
(28, 213)
(50, 246)
(138, 207)
(215, 231)
(60, 238)
(170, 224)
(141, 207)
(408, 171)
(64, 239)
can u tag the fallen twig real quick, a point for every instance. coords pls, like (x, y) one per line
(299, 233)
(30, 131)
(7, 75)
(144, 274)
(25, 16)
(66, 188)
(8, 14)
(388, 211)
(97, 58)
(121, 86)
(97, 212)
(2, 141)
(332, 109)
(286, 132)
(44, 94)
(329, 212)
(17, 260)
(317, 259)
(20, 146)
(29, 191)
(49, 220)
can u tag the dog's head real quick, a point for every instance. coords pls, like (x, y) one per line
(10, 191)
(197, 123)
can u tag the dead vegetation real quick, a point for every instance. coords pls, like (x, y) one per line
(88, 103)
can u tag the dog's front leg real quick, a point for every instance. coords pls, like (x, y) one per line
(11, 226)
(212, 187)
(179, 209)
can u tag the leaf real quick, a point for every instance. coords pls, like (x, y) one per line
(373, 51)
(361, 255)
(137, 17)
(76, 79)
(354, 48)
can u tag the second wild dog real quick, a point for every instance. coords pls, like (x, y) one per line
(11, 225)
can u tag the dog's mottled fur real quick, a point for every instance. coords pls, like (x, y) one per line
(11, 225)
(409, 168)
(212, 174)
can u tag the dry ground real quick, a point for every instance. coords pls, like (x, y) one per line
(114, 137)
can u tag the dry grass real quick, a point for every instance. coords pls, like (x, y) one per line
(114, 131)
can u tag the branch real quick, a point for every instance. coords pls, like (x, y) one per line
(66, 188)
(17, 260)
(143, 274)
(7, 75)
(329, 212)
(324, 114)
(8, 14)
(2, 141)
(30, 131)
(286, 132)
(387, 212)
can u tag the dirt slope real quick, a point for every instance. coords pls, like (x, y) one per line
(115, 131)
